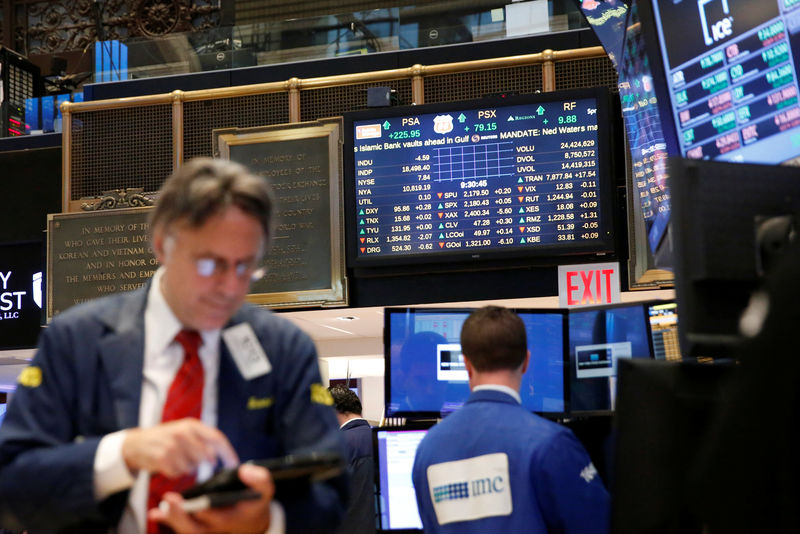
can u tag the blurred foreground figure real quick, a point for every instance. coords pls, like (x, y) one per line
(133, 397)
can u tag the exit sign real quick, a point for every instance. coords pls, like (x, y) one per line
(589, 284)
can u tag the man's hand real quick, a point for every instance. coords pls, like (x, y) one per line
(176, 448)
(245, 517)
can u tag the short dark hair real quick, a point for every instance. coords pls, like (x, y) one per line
(344, 400)
(493, 338)
(203, 187)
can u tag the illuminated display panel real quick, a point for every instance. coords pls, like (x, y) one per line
(731, 71)
(645, 130)
(425, 373)
(514, 177)
(397, 501)
(664, 331)
(598, 339)
(21, 294)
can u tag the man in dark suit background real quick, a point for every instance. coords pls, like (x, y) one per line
(160, 384)
(360, 516)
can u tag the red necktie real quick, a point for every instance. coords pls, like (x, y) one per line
(184, 399)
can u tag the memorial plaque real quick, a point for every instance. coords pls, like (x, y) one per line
(302, 163)
(94, 254)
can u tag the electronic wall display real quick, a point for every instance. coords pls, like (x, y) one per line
(395, 449)
(598, 339)
(517, 177)
(731, 72)
(21, 294)
(646, 132)
(425, 373)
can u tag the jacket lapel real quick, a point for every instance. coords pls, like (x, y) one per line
(232, 389)
(122, 356)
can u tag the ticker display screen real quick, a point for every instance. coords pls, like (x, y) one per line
(645, 130)
(472, 180)
(731, 70)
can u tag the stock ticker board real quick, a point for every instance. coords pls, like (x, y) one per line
(471, 181)
(731, 74)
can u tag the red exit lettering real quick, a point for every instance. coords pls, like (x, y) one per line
(589, 287)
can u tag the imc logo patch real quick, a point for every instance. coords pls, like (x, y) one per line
(459, 490)
(470, 489)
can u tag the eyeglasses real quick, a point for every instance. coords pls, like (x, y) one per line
(207, 267)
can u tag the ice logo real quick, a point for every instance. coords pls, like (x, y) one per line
(443, 124)
(720, 29)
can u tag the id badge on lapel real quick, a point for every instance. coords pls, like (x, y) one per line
(246, 350)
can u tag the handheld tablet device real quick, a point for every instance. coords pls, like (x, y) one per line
(225, 488)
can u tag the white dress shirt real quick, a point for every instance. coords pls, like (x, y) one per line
(163, 357)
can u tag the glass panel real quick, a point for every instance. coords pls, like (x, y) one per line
(327, 36)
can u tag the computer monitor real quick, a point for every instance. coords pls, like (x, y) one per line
(425, 374)
(599, 338)
(514, 179)
(730, 69)
(643, 98)
(395, 449)
(730, 222)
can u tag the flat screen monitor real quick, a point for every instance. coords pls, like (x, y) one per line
(731, 72)
(395, 449)
(425, 374)
(730, 223)
(663, 317)
(647, 132)
(519, 177)
(599, 338)
(22, 295)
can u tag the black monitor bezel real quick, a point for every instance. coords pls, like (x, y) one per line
(545, 255)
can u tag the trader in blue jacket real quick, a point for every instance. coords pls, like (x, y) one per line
(87, 434)
(493, 466)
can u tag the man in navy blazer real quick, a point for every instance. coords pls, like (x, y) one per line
(83, 432)
(360, 517)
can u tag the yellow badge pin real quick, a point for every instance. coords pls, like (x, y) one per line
(30, 377)
(321, 395)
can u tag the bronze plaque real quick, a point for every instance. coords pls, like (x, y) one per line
(303, 164)
(94, 254)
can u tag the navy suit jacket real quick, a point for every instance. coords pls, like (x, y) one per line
(85, 382)
(360, 517)
(358, 439)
